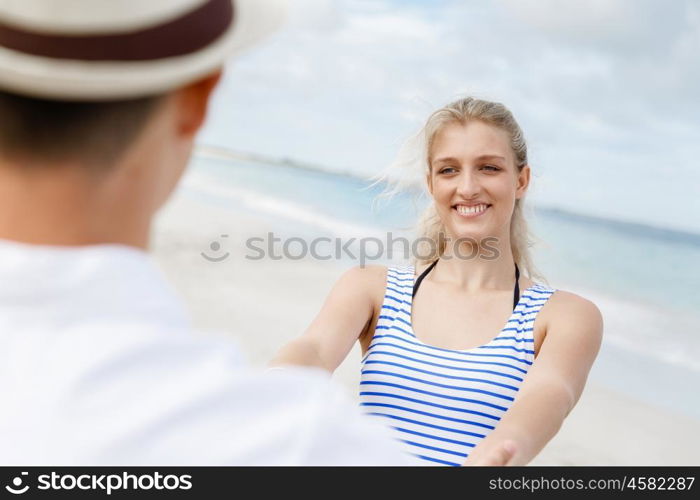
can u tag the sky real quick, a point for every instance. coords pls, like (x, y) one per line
(606, 91)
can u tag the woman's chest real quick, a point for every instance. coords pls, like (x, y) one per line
(460, 321)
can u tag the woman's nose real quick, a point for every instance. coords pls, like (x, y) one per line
(468, 185)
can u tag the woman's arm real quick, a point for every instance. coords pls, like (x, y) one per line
(344, 317)
(551, 388)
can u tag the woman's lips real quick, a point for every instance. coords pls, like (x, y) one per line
(471, 212)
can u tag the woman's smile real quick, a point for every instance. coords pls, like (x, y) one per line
(471, 211)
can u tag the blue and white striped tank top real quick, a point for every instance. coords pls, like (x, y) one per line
(442, 402)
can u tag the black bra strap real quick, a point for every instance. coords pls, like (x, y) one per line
(516, 290)
(422, 275)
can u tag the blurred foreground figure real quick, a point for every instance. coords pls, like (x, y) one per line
(100, 101)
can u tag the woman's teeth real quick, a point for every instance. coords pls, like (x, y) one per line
(474, 210)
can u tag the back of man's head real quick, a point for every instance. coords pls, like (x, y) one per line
(88, 84)
(94, 134)
(90, 72)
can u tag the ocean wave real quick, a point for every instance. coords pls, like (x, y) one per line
(631, 228)
(295, 211)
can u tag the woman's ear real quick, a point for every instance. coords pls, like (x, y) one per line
(523, 182)
(429, 181)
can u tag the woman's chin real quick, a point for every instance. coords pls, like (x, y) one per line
(474, 234)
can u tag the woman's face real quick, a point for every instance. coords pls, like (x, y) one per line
(474, 180)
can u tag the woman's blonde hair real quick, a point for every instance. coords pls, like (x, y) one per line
(431, 230)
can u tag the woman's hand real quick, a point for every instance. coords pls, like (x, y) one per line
(500, 456)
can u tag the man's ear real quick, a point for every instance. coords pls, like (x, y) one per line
(192, 103)
(523, 181)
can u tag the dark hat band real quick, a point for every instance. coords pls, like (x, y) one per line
(184, 35)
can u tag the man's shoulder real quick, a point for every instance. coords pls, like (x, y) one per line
(181, 398)
(158, 369)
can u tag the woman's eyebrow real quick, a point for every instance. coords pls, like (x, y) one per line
(451, 159)
(490, 157)
(446, 159)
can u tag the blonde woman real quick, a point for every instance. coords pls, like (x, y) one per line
(467, 355)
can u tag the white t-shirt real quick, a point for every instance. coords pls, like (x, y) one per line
(99, 366)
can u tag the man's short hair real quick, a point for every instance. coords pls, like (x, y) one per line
(93, 133)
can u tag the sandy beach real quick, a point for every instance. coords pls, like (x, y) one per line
(264, 303)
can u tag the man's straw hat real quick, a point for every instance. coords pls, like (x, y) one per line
(113, 49)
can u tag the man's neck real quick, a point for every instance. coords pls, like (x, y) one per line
(62, 205)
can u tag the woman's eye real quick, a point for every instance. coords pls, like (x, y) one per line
(491, 168)
(447, 170)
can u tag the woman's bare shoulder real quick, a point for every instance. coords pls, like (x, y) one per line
(360, 275)
(367, 282)
(365, 279)
(568, 308)
(568, 301)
